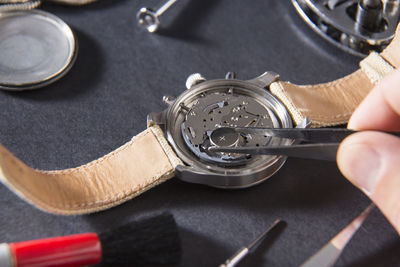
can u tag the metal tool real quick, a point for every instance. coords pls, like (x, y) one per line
(323, 145)
(356, 26)
(149, 19)
(329, 253)
(244, 251)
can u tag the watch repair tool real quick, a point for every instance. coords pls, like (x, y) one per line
(149, 19)
(329, 253)
(148, 241)
(321, 143)
(244, 251)
(36, 49)
(356, 26)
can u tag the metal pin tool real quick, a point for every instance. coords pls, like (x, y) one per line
(149, 18)
(331, 251)
(321, 143)
(244, 251)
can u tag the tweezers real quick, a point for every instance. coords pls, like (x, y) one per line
(321, 143)
(328, 255)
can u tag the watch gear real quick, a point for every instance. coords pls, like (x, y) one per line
(355, 26)
(224, 109)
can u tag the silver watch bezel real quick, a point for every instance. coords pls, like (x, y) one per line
(197, 171)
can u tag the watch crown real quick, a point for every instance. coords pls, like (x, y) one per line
(194, 79)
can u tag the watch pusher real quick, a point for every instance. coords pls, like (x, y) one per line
(191, 117)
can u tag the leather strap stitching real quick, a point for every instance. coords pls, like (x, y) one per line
(328, 85)
(165, 172)
(98, 161)
(129, 194)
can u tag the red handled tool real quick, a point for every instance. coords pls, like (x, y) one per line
(74, 250)
(150, 241)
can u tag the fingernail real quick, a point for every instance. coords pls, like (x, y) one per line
(361, 164)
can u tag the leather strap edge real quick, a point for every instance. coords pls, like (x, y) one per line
(86, 207)
(277, 90)
(159, 134)
(375, 67)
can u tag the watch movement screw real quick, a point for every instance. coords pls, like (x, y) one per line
(149, 19)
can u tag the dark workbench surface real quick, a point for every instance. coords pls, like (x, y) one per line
(120, 76)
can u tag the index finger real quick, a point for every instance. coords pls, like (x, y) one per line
(380, 110)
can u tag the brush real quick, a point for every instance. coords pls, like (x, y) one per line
(150, 241)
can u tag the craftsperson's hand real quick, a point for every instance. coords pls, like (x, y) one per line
(371, 160)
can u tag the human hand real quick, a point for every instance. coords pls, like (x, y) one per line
(371, 160)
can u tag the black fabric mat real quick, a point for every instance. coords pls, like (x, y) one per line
(120, 76)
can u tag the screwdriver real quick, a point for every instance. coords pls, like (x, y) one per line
(244, 251)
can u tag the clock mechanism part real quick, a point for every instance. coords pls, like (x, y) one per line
(356, 26)
(224, 109)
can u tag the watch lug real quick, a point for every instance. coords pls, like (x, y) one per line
(158, 118)
(265, 79)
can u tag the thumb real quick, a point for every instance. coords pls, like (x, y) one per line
(371, 161)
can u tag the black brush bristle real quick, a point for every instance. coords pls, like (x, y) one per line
(152, 241)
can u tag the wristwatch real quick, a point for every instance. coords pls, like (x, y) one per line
(175, 142)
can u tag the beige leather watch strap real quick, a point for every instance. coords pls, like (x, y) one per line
(332, 103)
(392, 52)
(324, 104)
(137, 166)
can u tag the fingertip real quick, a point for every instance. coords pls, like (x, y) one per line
(370, 160)
(359, 162)
(380, 110)
(390, 87)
